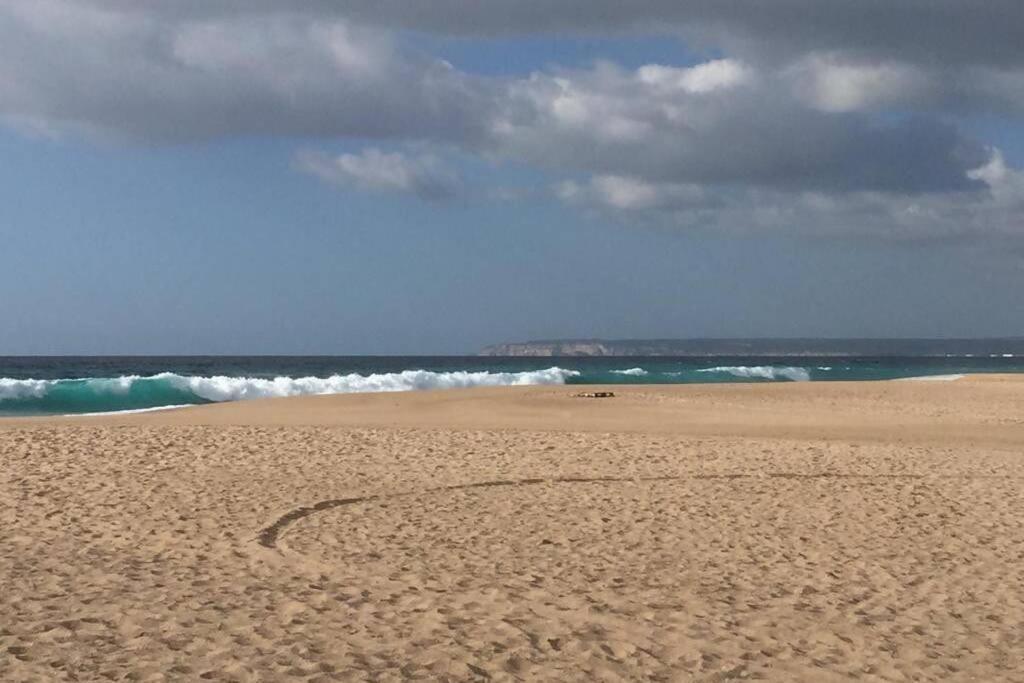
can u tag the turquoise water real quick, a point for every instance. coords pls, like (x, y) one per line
(48, 386)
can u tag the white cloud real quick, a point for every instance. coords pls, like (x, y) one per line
(625, 193)
(835, 82)
(996, 209)
(1005, 184)
(833, 85)
(719, 123)
(374, 170)
(775, 133)
(184, 74)
(714, 75)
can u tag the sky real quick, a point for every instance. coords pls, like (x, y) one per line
(386, 177)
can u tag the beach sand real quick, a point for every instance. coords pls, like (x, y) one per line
(811, 531)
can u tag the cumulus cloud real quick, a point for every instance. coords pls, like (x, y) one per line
(838, 83)
(131, 73)
(924, 31)
(721, 123)
(833, 85)
(374, 170)
(994, 209)
(717, 74)
(811, 109)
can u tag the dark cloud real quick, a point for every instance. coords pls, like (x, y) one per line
(926, 31)
(931, 31)
(993, 211)
(138, 75)
(846, 106)
(723, 123)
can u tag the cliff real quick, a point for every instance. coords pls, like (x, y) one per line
(552, 348)
(760, 347)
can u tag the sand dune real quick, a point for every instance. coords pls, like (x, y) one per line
(776, 532)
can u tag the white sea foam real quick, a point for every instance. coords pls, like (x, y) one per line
(932, 378)
(129, 412)
(16, 389)
(221, 388)
(172, 386)
(763, 372)
(632, 372)
(240, 388)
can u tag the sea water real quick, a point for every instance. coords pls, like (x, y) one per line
(79, 385)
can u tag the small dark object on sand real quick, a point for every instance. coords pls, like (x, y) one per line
(596, 394)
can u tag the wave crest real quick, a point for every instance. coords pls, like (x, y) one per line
(108, 394)
(769, 372)
(631, 372)
(241, 388)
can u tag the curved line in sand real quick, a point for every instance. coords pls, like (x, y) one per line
(269, 535)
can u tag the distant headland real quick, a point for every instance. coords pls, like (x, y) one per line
(1013, 346)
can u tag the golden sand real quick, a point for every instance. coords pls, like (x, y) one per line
(816, 532)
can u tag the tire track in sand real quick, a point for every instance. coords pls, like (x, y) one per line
(269, 535)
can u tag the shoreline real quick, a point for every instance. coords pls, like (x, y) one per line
(989, 410)
(130, 411)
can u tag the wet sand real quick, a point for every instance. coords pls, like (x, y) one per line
(818, 531)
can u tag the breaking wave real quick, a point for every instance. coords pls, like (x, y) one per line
(115, 394)
(632, 372)
(769, 372)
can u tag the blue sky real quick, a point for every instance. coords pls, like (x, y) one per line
(433, 191)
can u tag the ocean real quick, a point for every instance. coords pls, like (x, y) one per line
(79, 385)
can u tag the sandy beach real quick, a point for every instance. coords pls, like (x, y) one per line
(804, 531)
